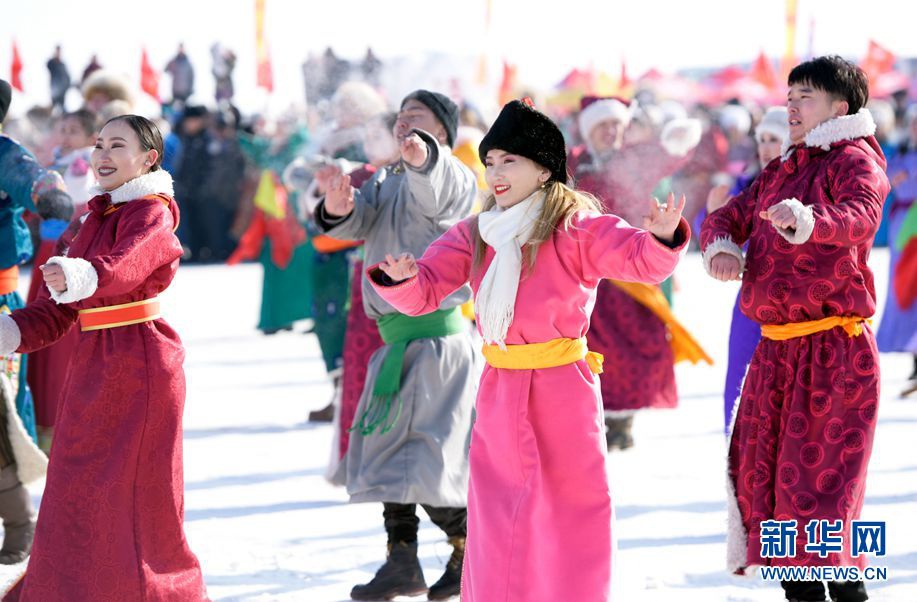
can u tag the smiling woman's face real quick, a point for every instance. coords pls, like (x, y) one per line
(118, 157)
(512, 178)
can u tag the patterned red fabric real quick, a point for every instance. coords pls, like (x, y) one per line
(806, 420)
(803, 436)
(828, 275)
(47, 368)
(639, 365)
(361, 339)
(110, 527)
(639, 370)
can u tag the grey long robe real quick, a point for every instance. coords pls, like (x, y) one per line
(424, 458)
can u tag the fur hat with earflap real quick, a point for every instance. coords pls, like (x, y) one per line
(109, 84)
(523, 130)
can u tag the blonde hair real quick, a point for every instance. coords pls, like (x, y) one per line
(560, 205)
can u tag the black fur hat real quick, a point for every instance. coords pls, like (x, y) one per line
(523, 130)
(6, 93)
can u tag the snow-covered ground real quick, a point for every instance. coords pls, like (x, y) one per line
(267, 526)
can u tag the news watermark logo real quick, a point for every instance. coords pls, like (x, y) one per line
(824, 538)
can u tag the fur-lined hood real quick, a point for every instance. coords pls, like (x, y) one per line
(847, 127)
(154, 182)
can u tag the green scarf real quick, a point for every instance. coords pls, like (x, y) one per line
(397, 331)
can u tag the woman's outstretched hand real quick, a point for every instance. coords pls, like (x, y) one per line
(399, 269)
(663, 220)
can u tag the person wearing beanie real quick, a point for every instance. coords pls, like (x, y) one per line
(744, 333)
(409, 442)
(25, 185)
(802, 437)
(444, 110)
(632, 325)
(539, 501)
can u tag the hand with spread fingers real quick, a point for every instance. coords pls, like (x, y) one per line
(325, 175)
(663, 220)
(399, 269)
(339, 196)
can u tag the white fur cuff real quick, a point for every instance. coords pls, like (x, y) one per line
(10, 336)
(81, 278)
(723, 245)
(679, 136)
(805, 222)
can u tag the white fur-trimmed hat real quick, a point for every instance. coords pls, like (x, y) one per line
(595, 111)
(735, 117)
(776, 122)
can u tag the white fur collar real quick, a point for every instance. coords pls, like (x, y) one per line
(848, 127)
(155, 182)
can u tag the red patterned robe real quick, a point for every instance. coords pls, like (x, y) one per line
(110, 524)
(639, 370)
(48, 366)
(804, 429)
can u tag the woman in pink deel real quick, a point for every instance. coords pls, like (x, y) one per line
(539, 505)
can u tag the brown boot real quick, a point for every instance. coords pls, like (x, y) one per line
(326, 414)
(618, 433)
(17, 514)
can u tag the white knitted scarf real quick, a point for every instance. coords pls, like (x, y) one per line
(506, 230)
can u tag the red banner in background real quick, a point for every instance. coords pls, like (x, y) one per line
(763, 72)
(16, 69)
(149, 77)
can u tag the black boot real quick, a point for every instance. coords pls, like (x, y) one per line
(804, 591)
(450, 584)
(847, 591)
(401, 575)
(618, 435)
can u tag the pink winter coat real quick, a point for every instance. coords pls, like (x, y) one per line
(539, 502)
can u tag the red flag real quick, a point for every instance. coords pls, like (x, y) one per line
(878, 60)
(624, 81)
(265, 75)
(763, 72)
(16, 69)
(149, 78)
